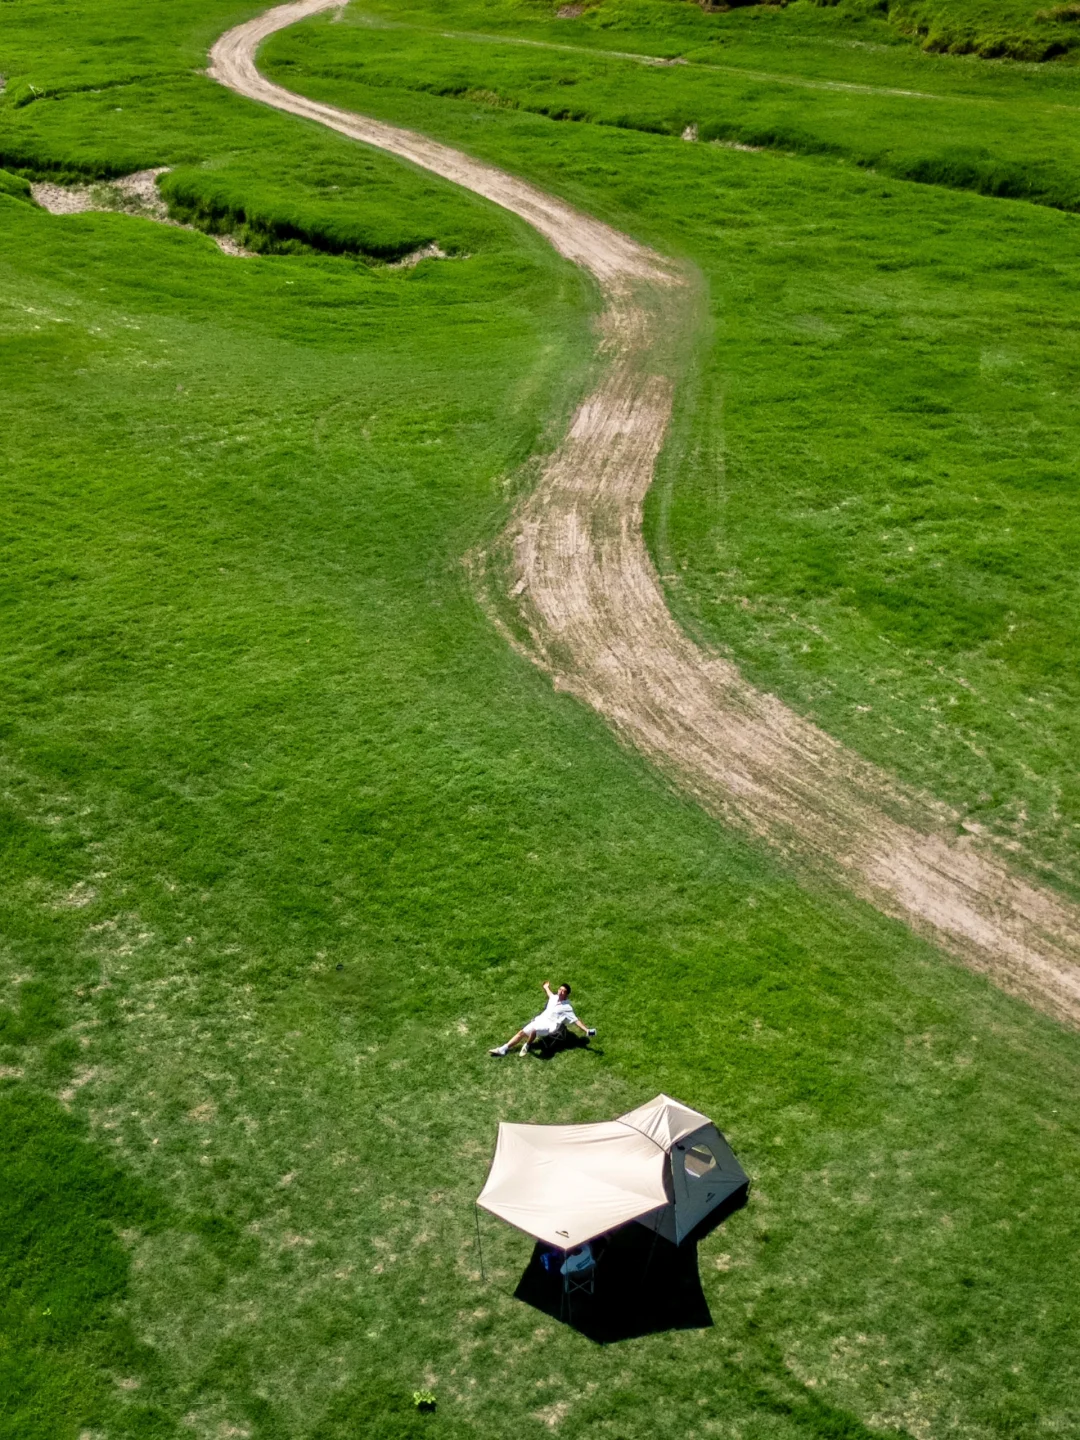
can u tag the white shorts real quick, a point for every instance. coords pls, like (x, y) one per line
(541, 1025)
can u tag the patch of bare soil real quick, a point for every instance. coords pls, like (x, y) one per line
(64, 199)
(425, 252)
(140, 194)
(135, 194)
(229, 245)
(589, 609)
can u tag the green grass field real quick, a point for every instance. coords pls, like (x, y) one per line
(879, 527)
(292, 836)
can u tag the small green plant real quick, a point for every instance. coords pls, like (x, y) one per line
(424, 1400)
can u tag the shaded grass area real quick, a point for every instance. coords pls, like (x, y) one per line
(64, 1267)
(293, 835)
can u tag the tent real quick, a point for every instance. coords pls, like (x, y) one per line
(663, 1164)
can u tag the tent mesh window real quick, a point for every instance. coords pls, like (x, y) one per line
(700, 1161)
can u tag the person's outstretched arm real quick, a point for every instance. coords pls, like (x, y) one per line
(547, 989)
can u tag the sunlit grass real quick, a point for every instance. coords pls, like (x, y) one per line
(291, 834)
(871, 493)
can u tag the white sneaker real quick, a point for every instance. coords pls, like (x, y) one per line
(524, 1050)
(499, 1050)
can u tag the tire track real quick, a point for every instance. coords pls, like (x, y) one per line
(590, 608)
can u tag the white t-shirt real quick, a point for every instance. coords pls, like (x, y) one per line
(555, 1013)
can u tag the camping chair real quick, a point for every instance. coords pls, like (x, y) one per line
(579, 1271)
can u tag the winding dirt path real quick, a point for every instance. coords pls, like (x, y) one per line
(589, 602)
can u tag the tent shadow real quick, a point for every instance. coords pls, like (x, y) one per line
(643, 1284)
(735, 1201)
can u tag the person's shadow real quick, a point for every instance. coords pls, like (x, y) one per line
(642, 1284)
(546, 1047)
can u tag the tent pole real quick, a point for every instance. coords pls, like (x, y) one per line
(479, 1246)
(652, 1252)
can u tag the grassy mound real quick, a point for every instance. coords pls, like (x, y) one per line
(16, 187)
(991, 29)
(268, 220)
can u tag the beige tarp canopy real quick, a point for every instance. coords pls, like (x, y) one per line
(663, 1164)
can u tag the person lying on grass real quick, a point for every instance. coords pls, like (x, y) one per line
(556, 1013)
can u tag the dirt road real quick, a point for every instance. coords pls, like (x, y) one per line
(590, 604)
